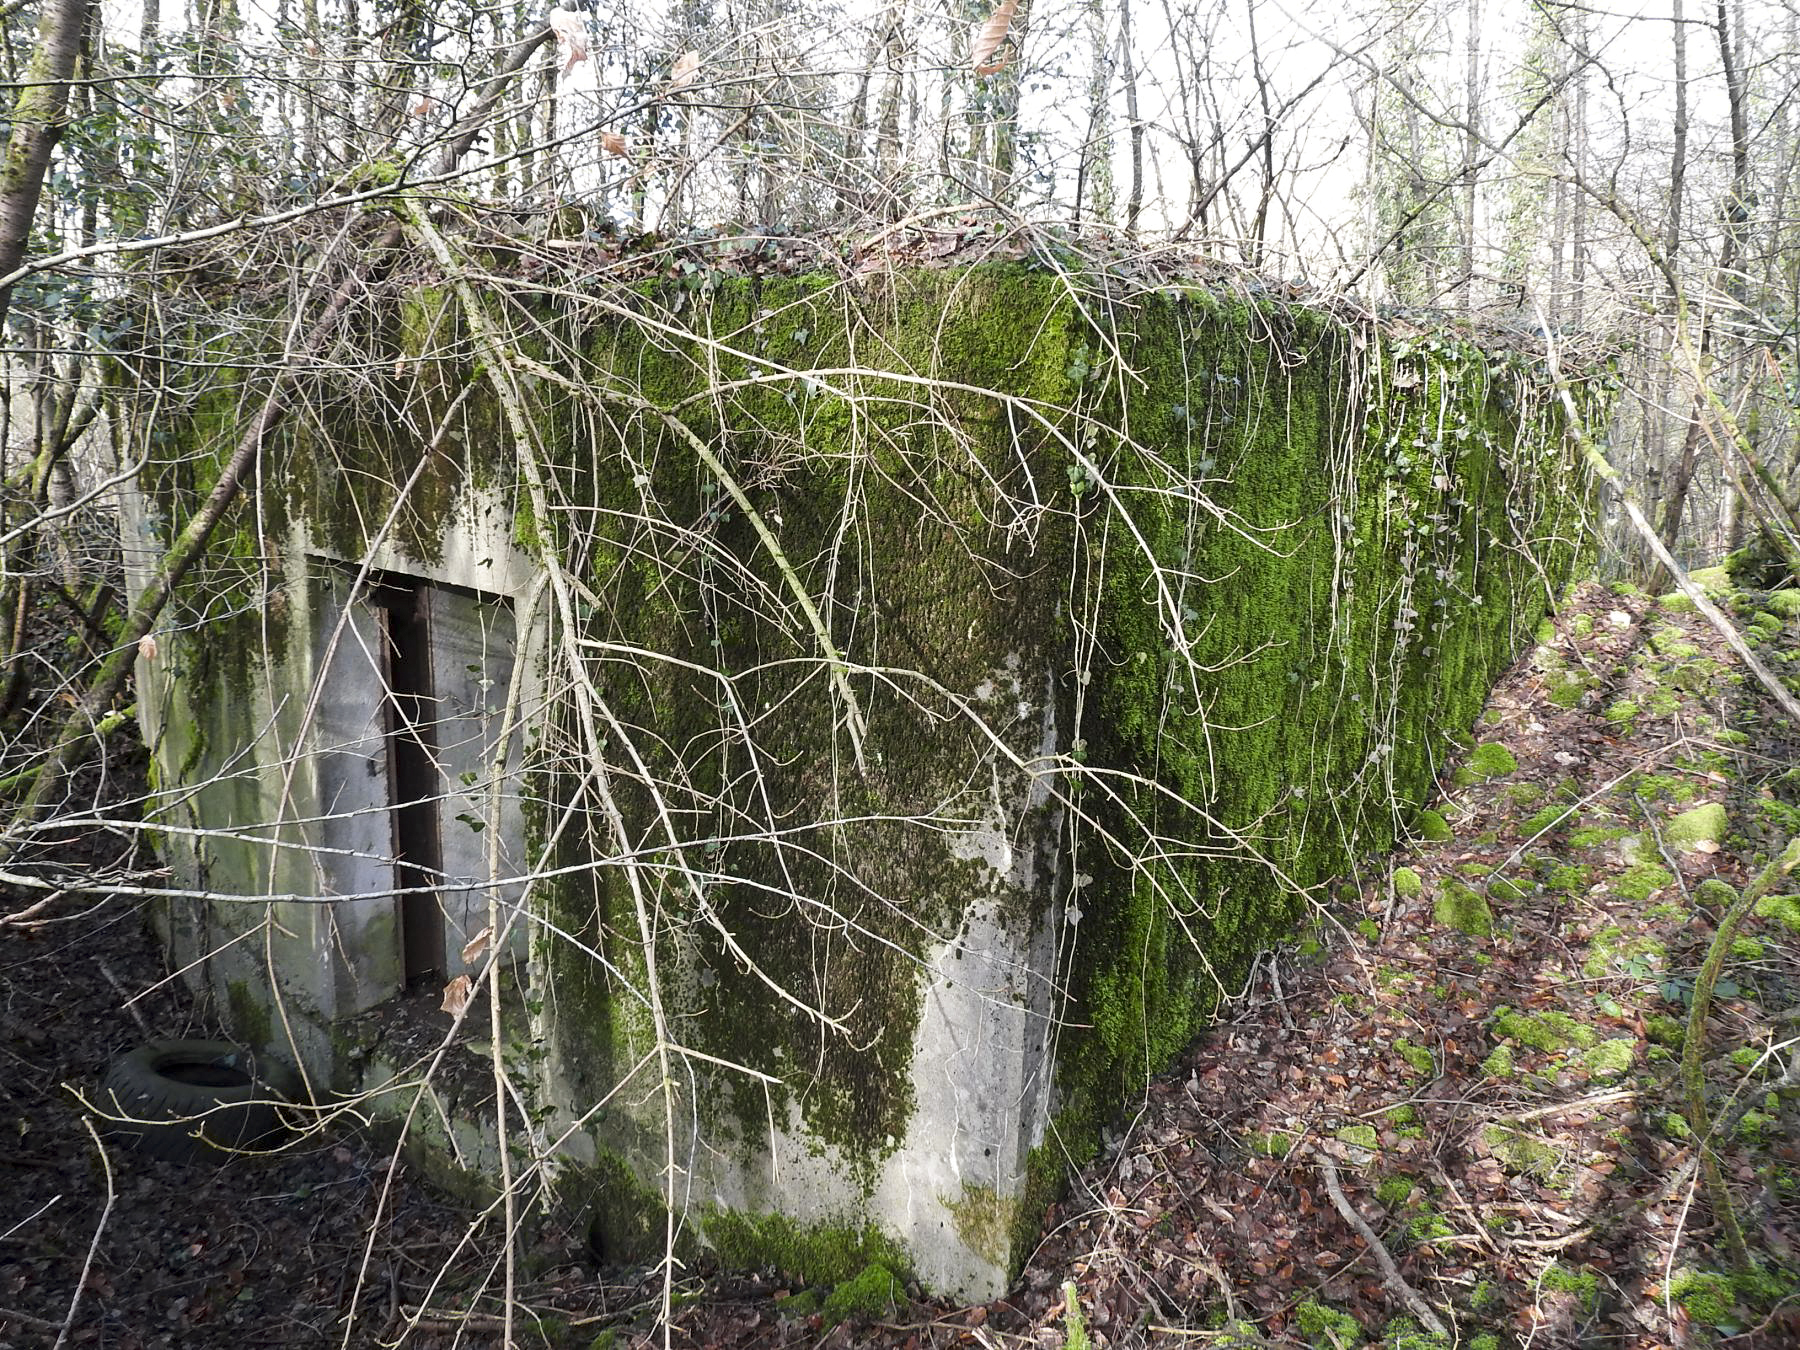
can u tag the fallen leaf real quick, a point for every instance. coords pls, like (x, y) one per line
(685, 70)
(615, 144)
(988, 40)
(457, 995)
(475, 946)
(1705, 846)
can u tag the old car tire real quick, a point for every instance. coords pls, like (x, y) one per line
(179, 1100)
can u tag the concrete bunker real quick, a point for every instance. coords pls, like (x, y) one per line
(884, 715)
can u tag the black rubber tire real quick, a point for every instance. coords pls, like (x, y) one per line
(180, 1100)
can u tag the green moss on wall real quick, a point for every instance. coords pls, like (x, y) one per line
(814, 1253)
(249, 1016)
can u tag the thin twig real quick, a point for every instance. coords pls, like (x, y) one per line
(1662, 847)
(137, 1013)
(1287, 1019)
(22, 918)
(1555, 1244)
(1598, 1099)
(26, 1319)
(1390, 1273)
(94, 1244)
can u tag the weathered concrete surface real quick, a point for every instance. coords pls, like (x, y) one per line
(1158, 611)
(276, 779)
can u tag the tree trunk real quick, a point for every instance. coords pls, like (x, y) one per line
(1742, 201)
(1676, 491)
(1134, 204)
(1093, 180)
(1259, 229)
(37, 123)
(1678, 154)
(1005, 90)
(1579, 152)
(1471, 151)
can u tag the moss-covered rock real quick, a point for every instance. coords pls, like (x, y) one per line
(1584, 1285)
(1612, 1058)
(1394, 1192)
(1432, 827)
(1612, 950)
(1566, 688)
(1641, 880)
(1568, 878)
(1418, 1058)
(1463, 909)
(1272, 1143)
(1785, 603)
(1491, 760)
(1551, 1031)
(1715, 581)
(1522, 1153)
(1782, 909)
(872, 1292)
(1715, 891)
(1408, 885)
(1693, 828)
(1325, 1327)
(1594, 836)
(1766, 624)
(1707, 1296)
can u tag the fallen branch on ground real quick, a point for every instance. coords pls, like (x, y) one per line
(1609, 476)
(1390, 1273)
(1693, 1050)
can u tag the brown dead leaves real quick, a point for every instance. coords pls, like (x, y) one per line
(987, 41)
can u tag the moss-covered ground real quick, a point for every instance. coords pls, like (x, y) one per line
(1502, 1104)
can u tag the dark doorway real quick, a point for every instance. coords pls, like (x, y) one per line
(416, 783)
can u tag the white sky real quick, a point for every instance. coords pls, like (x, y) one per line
(1629, 102)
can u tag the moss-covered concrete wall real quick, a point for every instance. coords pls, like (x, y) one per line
(1153, 608)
